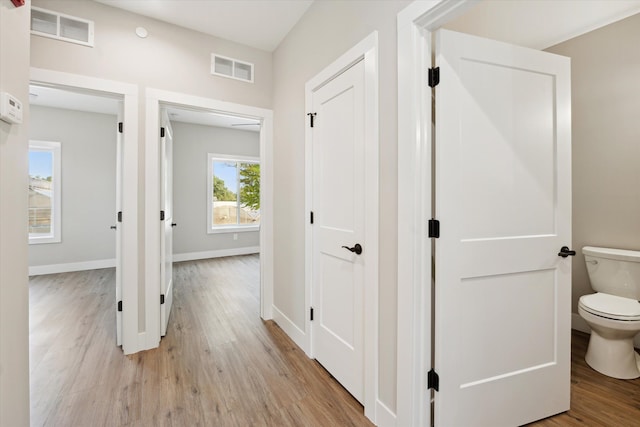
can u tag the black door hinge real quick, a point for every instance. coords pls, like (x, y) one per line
(311, 217)
(161, 215)
(433, 380)
(119, 305)
(434, 76)
(161, 299)
(161, 132)
(311, 117)
(311, 313)
(434, 228)
(120, 127)
(120, 216)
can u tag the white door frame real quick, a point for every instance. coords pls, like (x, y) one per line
(367, 51)
(155, 97)
(415, 23)
(131, 338)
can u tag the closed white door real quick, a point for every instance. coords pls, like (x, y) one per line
(118, 222)
(339, 245)
(503, 199)
(166, 240)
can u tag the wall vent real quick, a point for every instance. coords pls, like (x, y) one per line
(232, 68)
(59, 26)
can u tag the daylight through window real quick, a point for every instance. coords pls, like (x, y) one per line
(44, 192)
(234, 193)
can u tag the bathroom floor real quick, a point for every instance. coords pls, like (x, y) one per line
(596, 400)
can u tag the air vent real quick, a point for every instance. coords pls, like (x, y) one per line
(232, 68)
(58, 26)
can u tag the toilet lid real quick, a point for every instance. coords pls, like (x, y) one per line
(611, 306)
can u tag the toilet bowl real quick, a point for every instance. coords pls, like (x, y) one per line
(613, 312)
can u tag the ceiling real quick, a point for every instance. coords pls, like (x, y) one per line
(540, 24)
(261, 24)
(96, 103)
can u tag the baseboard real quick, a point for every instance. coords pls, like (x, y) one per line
(218, 253)
(38, 270)
(579, 324)
(296, 334)
(385, 417)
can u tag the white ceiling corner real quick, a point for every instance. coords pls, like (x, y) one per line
(261, 24)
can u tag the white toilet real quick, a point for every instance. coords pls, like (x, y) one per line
(613, 312)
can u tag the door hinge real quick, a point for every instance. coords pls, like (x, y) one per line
(161, 215)
(120, 127)
(311, 217)
(311, 117)
(434, 76)
(120, 216)
(161, 299)
(161, 132)
(434, 228)
(119, 305)
(433, 380)
(311, 313)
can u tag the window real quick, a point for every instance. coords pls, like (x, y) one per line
(233, 195)
(44, 192)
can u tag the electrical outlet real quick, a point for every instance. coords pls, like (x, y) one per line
(235, 236)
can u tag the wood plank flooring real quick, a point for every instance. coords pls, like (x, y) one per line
(219, 365)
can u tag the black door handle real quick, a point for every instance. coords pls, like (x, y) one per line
(357, 249)
(565, 252)
(173, 224)
(113, 227)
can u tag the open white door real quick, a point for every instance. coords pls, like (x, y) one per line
(503, 201)
(339, 249)
(166, 239)
(118, 222)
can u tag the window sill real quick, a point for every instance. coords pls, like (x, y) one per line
(44, 240)
(233, 229)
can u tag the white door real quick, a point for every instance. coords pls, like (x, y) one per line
(338, 229)
(503, 199)
(166, 239)
(118, 222)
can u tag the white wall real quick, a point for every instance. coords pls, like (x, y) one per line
(191, 144)
(88, 148)
(14, 292)
(327, 30)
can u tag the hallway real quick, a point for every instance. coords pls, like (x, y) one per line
(219, 365)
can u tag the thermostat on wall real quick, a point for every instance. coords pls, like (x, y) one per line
(10, 108)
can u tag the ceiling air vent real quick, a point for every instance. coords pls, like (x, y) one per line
(232, 68)
(59, 26)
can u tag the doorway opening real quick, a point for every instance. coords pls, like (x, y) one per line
(241, 223)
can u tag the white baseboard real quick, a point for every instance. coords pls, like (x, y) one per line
(385, 417)
(579, 324)
(296, 334)
(218, 253)
(38, 270)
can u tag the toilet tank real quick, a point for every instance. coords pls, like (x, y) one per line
(613, 271)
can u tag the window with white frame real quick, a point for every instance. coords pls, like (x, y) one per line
(233, 193)
(44, 192)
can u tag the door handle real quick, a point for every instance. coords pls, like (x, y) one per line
(357, 249)
(173, 224)
(113, 227)
(565, 252)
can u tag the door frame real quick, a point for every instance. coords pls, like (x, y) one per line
(154, 99)
(132, 340)
(415, 24)
(367, 51)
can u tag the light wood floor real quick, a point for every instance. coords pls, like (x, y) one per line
(219, 364)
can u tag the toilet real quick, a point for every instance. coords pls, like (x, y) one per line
(613, 312)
